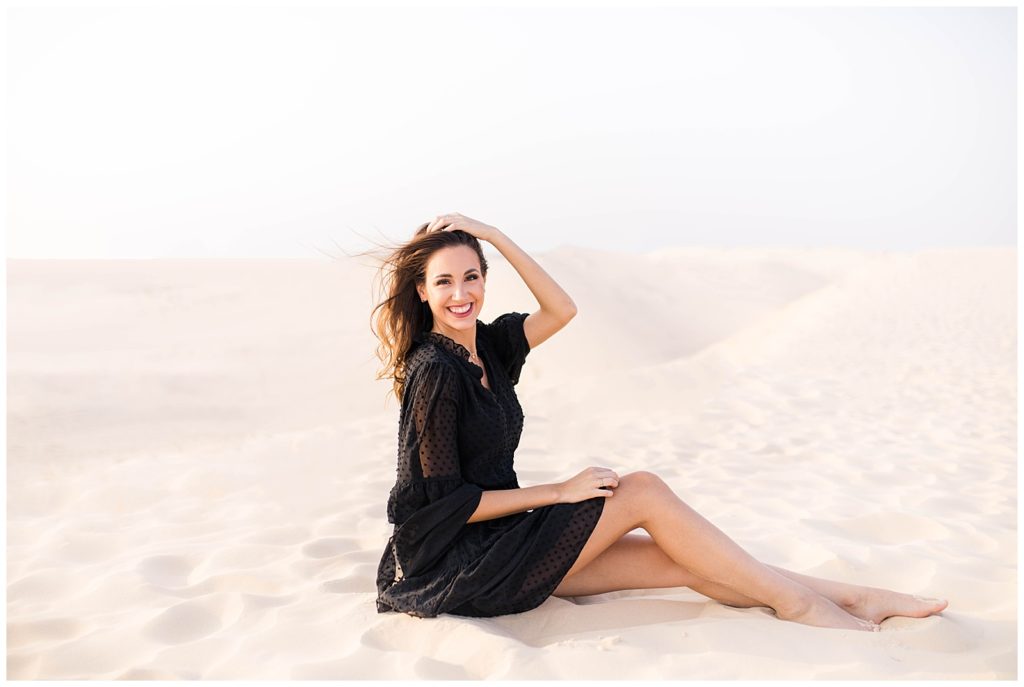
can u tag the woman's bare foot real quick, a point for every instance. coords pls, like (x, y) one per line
(821, 612)
(875, 604)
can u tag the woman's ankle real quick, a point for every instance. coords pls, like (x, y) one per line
(796, 604)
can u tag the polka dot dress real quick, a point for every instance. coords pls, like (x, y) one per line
(457, 439)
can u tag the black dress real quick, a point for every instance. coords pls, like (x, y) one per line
(456, 439)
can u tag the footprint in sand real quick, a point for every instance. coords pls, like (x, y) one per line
(182, 623)
(255, 602)
(426, 668)
(84, 548)
(329, 547)
(44, 586)
(359, 581)
(165, 571)
(287, 535)
(49, 630)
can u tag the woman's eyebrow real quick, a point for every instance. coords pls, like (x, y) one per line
(471, 269)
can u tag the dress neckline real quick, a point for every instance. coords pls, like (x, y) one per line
(450, 344)
(462, 353)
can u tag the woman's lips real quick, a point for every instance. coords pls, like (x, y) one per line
(465, 314)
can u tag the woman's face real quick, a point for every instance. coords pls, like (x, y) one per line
(453, 279)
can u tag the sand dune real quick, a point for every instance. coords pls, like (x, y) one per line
(199, 458)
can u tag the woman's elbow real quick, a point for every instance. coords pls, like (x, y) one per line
(570, 311)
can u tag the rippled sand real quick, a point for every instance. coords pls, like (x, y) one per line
(199, 459)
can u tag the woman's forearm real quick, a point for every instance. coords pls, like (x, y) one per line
(550, 296)
(498, 502)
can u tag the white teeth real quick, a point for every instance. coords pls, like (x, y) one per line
(465, 309)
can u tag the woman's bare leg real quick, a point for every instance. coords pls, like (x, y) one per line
(694, 542)
(636, 561)
(642, 499)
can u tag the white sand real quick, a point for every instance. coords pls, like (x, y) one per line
(199, 459)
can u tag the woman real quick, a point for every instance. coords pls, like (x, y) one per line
(468, 540)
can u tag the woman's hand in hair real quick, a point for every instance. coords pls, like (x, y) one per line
(588, 484)
(454, 220)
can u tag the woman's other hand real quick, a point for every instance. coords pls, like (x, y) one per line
(454, 220)
(587, 485)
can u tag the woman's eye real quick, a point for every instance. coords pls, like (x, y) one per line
(442, 282)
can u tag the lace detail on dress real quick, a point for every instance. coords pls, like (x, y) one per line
(452, 346)
(449, 344)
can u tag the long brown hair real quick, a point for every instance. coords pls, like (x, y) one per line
(401, 314)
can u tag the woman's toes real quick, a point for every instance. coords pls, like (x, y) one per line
(935, 605)
(875, 605)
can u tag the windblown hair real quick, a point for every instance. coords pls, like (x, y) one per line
(401, 314)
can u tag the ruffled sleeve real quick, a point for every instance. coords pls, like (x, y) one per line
(507, 337)
(430, 502)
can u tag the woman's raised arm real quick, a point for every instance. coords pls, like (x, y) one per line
(556, 307)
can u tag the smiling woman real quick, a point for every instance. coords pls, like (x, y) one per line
(418, 302)
(468, 539)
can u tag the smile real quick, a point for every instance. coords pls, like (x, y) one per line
(461, 310)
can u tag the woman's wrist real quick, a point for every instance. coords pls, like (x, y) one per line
(556, 492)
(494, 235)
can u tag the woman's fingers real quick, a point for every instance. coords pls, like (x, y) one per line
(601, 473)
(439, 223)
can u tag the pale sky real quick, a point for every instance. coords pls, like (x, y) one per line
(245, 132)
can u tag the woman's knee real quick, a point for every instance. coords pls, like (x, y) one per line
(643, 490)
(645, 481)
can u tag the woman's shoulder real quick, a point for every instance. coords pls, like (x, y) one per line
(507, 338)
(503, 323)
(428, 360)
(430, 374)
(506, 332)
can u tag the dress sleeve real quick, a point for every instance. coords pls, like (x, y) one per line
(431, 502)
(509, 341)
